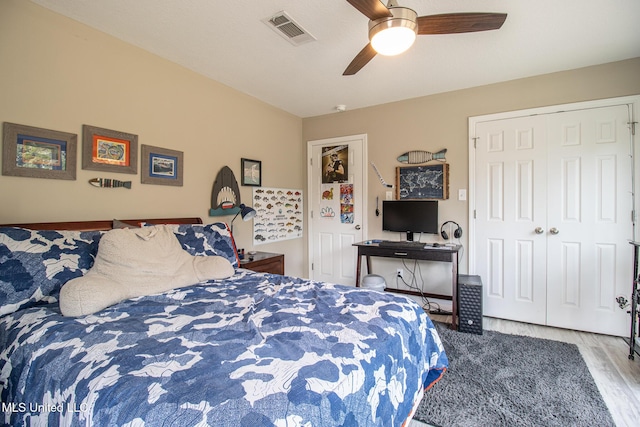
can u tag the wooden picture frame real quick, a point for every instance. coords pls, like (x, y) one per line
(423, 182)
(161, 166)
(108, 150)
(33, 152)
(251, 172)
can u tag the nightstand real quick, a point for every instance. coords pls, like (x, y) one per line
(264, 262)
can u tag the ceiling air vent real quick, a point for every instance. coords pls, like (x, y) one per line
(290, 30)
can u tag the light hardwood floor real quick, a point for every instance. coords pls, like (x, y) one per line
(617, 377)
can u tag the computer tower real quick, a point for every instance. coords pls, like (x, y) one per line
(470, 304)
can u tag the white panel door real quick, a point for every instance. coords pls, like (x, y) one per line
(510, 205)
(332, 231)
(590, 183)
(553, 207)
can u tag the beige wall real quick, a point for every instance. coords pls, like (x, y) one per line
(59, 74)
(441, 121)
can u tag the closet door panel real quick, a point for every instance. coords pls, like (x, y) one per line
(510, 205)
(589, 219)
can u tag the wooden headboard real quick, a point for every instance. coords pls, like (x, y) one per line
(100, 225)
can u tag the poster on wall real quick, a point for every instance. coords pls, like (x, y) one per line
(334, 164)
(278, 214)
(346, 203)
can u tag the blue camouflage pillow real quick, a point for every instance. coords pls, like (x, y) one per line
(210, 239)
(35, 264)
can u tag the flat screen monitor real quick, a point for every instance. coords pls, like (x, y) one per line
(410, 216)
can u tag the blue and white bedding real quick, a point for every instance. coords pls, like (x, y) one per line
(252, 350)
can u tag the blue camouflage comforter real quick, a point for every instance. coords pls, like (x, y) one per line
(253, 350)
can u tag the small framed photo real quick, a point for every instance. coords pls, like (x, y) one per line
(109, 150)
(161, 166)
(38, 153)
(251, 172)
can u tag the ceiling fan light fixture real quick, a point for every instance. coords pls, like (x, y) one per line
(394, 35)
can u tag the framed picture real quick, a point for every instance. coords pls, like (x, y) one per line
(161, 166)
(38, 153)
(423, 182)
(109, 150)
(251, 172)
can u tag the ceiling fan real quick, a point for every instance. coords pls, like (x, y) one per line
(404, 24)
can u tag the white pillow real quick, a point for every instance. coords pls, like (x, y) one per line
(133, 262)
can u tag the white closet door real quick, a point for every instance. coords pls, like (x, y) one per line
(510, 180)
(590, 258)
(553, 217)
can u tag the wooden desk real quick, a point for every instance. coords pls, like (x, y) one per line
(442, 254)
(264, 262)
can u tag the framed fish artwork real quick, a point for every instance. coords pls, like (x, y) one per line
(161, 166)
(33, 152)
(109, 150)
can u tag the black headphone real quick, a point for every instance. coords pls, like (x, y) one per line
(457, 233)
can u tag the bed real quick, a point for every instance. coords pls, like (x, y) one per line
(252, 349)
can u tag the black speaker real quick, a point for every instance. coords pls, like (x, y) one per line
(457, 233)
(470, 304)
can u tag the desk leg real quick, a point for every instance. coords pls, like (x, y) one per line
(358, 269)
(454, 291)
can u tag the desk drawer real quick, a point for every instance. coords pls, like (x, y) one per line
(435, 254)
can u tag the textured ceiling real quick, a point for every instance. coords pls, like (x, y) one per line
(228, 42)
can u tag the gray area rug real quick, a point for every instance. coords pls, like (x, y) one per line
(497, 379)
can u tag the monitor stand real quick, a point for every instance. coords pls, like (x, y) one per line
(409, 236)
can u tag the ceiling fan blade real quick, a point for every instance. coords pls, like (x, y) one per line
(372, 9)
(450, 23)
(360, 60)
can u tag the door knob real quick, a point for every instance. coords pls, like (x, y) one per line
(357, 227)
(554, 230)
(539, 230)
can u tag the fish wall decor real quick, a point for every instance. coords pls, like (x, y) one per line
(109, 183)
(416, 157)
(225, 194)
